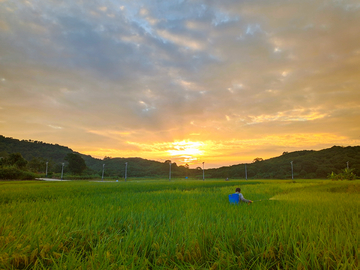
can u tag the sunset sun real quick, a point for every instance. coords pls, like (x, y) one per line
(187, 151)
(186, 148)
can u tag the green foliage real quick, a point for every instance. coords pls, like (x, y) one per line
(14, 173)
(76, 163)
(14, 159)
(3, 154)
(346, 174)
(13, 167)
(38, 164)
(184, 225)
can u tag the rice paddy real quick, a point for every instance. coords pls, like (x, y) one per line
(303, 224)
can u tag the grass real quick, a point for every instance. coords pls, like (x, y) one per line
(308, 224)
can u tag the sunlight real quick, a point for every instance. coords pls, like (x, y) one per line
(186, 148)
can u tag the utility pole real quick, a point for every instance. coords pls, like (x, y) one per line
(292, 170)
(62, 171)
(347, 164)
(46, 169)
(245, 172)
(126, 170)
(170, 171)
(102, 176)
(203, 171)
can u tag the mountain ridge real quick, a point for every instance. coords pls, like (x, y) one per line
(306, 163)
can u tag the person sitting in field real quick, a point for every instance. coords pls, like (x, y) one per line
(241, 197)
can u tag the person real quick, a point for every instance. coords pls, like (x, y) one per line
(241, 197)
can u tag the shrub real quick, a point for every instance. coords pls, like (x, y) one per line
(346, 174)
(14, 173)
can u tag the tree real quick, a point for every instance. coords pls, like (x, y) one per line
(3, 154)
(76, 163)
(15, 159)
(37, 165)
(258, 159)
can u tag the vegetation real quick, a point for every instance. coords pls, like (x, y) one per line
(179, 225)
(306, 164)
(346, 174)
(12, 172)
(15, 160)
(33, 149)
(76, 163)
(13, 166)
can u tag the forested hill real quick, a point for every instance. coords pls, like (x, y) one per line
(55, 154)
(306, 164)
(32, 149)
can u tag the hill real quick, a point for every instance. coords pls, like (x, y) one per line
(30, 149)
(306, 163)
(55, 155)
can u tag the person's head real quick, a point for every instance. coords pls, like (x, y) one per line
(238, 190)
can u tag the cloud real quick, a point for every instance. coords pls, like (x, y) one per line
(164, 71)
(55, 127)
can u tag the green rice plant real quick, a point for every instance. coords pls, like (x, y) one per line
(179, 225)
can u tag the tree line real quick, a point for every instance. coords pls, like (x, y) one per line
(43, 158)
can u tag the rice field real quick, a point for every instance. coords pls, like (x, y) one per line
(157, 224)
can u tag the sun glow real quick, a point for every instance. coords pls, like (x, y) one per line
(186, 151)
(186, 148)
(215, 153)
(181, 152)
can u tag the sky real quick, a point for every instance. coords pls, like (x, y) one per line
(219, 82)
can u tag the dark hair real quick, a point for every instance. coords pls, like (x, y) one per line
(237, 189)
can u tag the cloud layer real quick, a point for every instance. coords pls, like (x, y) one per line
(240, 79)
